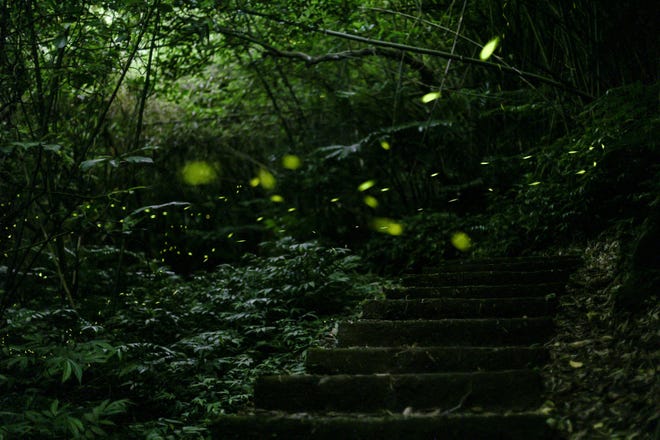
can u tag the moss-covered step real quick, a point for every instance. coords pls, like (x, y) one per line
(366, 360)
(477, 291)
(495, 277)
(435, 308)
(304, 426)
(528, 264)
(510, 389)
(445, 332)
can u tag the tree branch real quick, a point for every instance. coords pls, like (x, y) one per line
(427, 74)
(461, 58)
(406, 48)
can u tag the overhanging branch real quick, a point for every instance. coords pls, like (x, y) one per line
(425, 72)
(460, 58)
(407, 49)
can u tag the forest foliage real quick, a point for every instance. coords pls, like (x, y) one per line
(180, 181)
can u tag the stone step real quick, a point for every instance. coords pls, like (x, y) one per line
(445, 332)
(436, 308)
(486, 277)
(522, 264)
(478, 291)
(304, 426)
(365, 360)
(509, 389)
(451, 356)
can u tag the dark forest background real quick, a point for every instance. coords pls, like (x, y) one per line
(193, 191)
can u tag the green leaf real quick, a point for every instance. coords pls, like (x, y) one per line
(98, 431)
(155, 207)
(66, 372)
(52, 147)
(133, 219)
(71, 367)
(87, 164)
(54, 406)
(60, 42)
(138, 159)
(26, 145)
(489, 48)
(75, 426)
(116, 407)
(77, 370)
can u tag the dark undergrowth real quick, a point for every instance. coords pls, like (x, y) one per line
(603, 380)
(172, 354)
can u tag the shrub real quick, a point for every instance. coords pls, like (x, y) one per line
(172, 354)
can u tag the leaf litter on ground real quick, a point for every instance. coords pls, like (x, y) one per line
(602, 381)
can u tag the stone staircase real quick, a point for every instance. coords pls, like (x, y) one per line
(452, 355)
